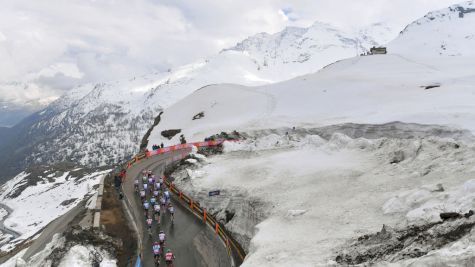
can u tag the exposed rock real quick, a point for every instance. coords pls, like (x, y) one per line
(199, 116)
(170, 133)
(413, 241)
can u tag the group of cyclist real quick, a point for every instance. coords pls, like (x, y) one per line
(155, 198)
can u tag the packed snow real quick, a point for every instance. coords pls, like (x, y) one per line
(39, 204)
(313, 194)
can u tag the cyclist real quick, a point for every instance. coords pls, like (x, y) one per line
(153, 179)
(171, 209)
(157, 186)
(149, 173)
(145, 186)
(156, 208)
(160, 180)
(142, 195)
(150, 180)
(156, 193)
(156, 251)
(162, 201)
(161, 238)
(149, 225)
(136, 185)
(146, 206)
(153, 200)
(144, 178)
(169, 257)
(166, 194)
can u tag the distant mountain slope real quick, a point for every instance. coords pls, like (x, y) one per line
(100, 124)
(446, 32)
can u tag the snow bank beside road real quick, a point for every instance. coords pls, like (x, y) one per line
(308, 195)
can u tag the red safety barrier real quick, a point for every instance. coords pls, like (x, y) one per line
(187, 145)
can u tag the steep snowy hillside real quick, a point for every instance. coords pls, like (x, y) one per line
(104, 123)
(34, 198)
(446, 32)
(369, 89)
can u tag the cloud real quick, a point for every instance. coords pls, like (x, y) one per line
(55, 45)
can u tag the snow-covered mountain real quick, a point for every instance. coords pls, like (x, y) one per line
(341, 164)
(98, 124)
(303, 50)
(445, 32)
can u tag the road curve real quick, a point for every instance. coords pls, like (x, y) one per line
(3, 228)
(193, 243)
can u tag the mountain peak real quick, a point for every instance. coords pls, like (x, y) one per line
(444, 32)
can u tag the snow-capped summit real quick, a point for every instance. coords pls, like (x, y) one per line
(445, 32)
(295, 49)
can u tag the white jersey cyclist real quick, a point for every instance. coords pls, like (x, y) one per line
(156, 208)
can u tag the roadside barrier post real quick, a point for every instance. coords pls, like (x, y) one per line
(191, 203)
(217, 227)
(204, 215)
(181, 195)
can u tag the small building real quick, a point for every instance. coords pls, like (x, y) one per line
(378, 50)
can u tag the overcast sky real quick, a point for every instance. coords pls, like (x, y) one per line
(56, 44)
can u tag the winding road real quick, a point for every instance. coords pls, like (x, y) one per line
(3, 228)
(193, 243)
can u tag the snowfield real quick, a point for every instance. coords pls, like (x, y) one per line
(369, 89)
(37, 205)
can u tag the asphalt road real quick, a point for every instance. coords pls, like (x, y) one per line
(2, 226)
(193, 243)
